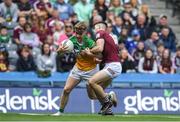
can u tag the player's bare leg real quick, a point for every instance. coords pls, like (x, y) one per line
(70, 84)
(104, 85)
(90, 91)
(94, 83)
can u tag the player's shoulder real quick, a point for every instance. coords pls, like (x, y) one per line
(100, 33)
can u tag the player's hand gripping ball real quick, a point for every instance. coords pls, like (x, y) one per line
(66, 46)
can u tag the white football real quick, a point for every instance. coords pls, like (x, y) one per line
(68, 43)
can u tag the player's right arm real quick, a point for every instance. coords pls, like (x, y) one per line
(99, 46)
(99, 43)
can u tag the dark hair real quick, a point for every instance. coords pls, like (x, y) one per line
(148, 63)
(166, 62)
(3, 27)
(178, 48)
(42, 49)
(27, 25)
(176, 59)
(160, 44)
(21, 17)
(25, 47)
(97, 4)
(165, 27)
(74, 14)
(153, 32)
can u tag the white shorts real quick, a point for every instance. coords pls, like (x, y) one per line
(83, 75)
(113, 69)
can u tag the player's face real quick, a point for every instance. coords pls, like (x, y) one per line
(79, 32)
(80, 35)
(97, 27)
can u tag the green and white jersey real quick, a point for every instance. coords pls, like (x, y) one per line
(86, 43)
(84, 62)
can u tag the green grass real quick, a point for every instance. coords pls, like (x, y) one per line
(88, 117)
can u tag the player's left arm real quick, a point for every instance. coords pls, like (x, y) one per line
(92, 45)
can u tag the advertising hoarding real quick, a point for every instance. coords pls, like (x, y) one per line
(130, 101)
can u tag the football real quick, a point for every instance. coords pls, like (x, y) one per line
(68, 43)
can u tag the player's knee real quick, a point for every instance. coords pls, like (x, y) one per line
(90, 82)
(66, 90)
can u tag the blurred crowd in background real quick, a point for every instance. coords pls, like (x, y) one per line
(31, 30)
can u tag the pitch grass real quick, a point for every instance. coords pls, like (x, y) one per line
(88, 117)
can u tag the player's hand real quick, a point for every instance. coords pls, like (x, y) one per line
(83, 53)
(61, 48)
(87, 51)
(97, 60)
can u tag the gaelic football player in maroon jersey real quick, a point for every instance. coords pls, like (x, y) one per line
(105, 45)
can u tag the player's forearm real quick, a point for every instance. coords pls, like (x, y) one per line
(96, 49)
(90, 54)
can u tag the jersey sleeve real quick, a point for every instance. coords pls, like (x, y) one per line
(91, 43)
(99, 35)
